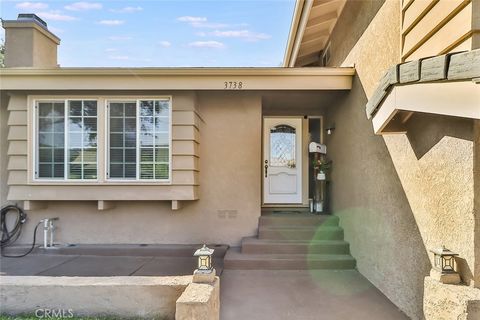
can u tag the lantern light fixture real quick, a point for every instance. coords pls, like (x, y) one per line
(444, 260)
(204, 256)
(444, 266)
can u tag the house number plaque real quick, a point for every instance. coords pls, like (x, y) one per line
(233, 85)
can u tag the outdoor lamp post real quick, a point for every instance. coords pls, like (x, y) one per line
(444, 265)
(205, 273)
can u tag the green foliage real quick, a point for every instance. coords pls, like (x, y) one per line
(2, 53)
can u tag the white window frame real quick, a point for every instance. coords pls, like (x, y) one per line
(107, 139)
(65, 153)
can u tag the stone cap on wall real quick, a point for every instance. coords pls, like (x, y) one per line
(458, 66)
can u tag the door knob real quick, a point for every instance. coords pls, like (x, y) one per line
(266, 170)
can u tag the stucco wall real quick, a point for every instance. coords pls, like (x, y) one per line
(398, 195)
(229, 193)
(115, 297)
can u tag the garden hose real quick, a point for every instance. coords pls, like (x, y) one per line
(10, 236)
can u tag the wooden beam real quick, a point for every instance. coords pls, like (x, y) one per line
(314, 47)
(176, 205)
(324, 17)
(313, 36)
(105, 205)
(29, 205)
(305, 60)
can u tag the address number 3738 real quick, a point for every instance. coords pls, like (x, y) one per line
(233, 85)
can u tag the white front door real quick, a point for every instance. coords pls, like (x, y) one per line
(282, 160)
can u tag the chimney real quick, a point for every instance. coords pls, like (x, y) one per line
(29, 43)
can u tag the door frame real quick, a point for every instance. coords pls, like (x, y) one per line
(305, 140)
(303, 159)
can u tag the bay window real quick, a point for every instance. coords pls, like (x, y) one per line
(136, 140)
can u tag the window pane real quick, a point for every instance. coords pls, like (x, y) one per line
(90, 155)
(146, 155)
(90, 124)
(50, 139)
(75, 108)
(131, 109)
(161, 171)
(161, 155)
(116, 170)
(45, 155)
(162, 108)
(90, 108)
(116, 109)
(130, 125)
(58, 170)
(89, 140)
(146, 171)
(82, 140)
(75, 155)
(75, 171)
(45, 170)
(45, 109)
(116, 155)
(131, 155)
(45, 124)
(122, 118)
(161, 124)
(146, 108)
(116, 140)
(153, 146)
(45, 140)
(130, 170)
(116, 125)
(59, 109)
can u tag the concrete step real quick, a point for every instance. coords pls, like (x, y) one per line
(298, 220)
(236, 260)
(300, 233)
(260, 246)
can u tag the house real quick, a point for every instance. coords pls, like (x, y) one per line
(190, 155)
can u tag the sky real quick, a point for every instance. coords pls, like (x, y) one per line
(164, 33)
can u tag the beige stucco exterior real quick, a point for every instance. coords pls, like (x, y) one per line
(29, 45)
(398, 196)
(420, 184)
(224, 212)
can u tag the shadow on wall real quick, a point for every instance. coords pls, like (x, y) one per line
(425, 130)
(368, 196)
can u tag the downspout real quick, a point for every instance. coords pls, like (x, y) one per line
(299, 23)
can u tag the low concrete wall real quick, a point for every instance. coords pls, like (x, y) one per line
(200, 301)
(145, 297)
(448, 302)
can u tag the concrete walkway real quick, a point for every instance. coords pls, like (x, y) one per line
(303, 295)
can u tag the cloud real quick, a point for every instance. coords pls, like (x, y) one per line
(55, 16)
(111, 50)
(201, 22)
(120, 38)
(165, 44)
(127, 10)
(206, 44)
(82, 6)
(244, 34)
(55, 30)
(191, 19)
(119, 57)
(111, 22)
(31, 5)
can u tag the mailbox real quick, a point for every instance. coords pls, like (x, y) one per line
(314, 147)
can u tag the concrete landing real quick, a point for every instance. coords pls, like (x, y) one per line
(302, 294)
